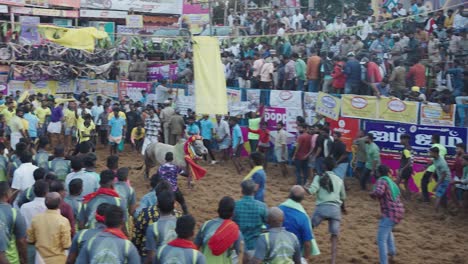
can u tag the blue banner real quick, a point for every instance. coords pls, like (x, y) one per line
(387, 137)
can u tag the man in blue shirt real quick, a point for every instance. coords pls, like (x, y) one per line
(117, 126)
(33, 122)
(296, 220)
(237, 143)
(352, 69)
(207, 131)
(258, 175)
(192, 128)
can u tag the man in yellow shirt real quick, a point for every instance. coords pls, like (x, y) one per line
(50, 232)
(448, 23)
(8, 112)
(17, 128)
(70, 125)
(42, 113)
(85, 130)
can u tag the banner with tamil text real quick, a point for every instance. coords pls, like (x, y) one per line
(359, 106)
(433, 114)
(393, 109)
(328, 106)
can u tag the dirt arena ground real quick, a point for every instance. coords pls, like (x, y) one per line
(422, 237)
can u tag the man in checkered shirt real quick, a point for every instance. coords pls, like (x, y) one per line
(250, 215)
(391, 207)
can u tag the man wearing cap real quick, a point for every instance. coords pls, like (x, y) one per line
(416, 95)
(165, 117)
(352, 69)
(266, 74)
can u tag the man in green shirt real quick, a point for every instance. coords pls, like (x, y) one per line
(431, 169)
(443, 172)
(300, 72)
(372, 161)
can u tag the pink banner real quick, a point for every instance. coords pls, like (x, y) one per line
(133, 89)
(273, 115)
(193, 8)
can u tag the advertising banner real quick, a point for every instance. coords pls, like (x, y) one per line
(233, 97)
(432, 114)
(159, 71)
(44, 87)
(184, 103)
(67, 3)
(348, 127)
(273, 115)
(146, 6)
(328, 106)
(358, 106)
(134, 21)
(387, 137)
(66, 86)
(133, 89)
(102, 13)
(398, 111)
(29, 34)
(12, 2)
(286, 99)
(253, 97)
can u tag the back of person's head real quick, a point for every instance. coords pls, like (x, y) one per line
(26, 156)
(53, 200)
(114, 216)
(107, 178)
(50, 177)
(248, 187)
(257, 158)
(112, 162)
(169, 157)
(59, 151)
(155, 179)
(383, 170)
(185, 226)
(20, 148)
(297, 193)
(84, 147)
(166, 202)
(122, 173)
(75, 187)
(436, 138)
(43, 142)
(89, 160)
(41, 188)
(226, 207)
(39, 174)
(102, 208)
(76, 163)
(434, 150)
(462, 146)
(4, 189)
(163, 185)
(57, 186)
(329, 164)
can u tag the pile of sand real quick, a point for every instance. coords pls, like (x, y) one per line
(422, 237)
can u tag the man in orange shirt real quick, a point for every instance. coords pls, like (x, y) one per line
(373, 75)
(417, 75)
(313, 71)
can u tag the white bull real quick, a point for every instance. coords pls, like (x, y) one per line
(155, 153)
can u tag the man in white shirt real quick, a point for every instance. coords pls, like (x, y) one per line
(23, 176)
(223, 136)
(36, 206)
(459, 21)
(97, 110)
(162, 92)
(401, 11)
(297, 18)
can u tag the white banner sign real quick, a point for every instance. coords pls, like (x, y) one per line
(102, 13)
(285, 99)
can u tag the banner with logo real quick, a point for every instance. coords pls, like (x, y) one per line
(348, 127)
(279, 98)
(133, 89)
(103, 87)
(273, 115)
(392, 109)
(159, 71)
(163, 7)
(233, 97)
(12, 2)
(134, 21)
(29, 34)
(67, 3)
(358, 106)
(44, 87)
(387, 137)
(253, 97)
(328, 106)
(433, 114)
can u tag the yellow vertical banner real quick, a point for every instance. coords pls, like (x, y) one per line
(210, 83)
(392, 109)
(328, 106)
(359, 106)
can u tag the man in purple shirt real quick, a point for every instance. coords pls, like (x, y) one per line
(55, 125)
(169, 172)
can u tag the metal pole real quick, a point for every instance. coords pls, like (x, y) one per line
(210, 7)
(226, 5)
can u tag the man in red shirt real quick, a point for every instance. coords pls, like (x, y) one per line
(373, 75)
(313, 71)
(417, 75)
(301, 154)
